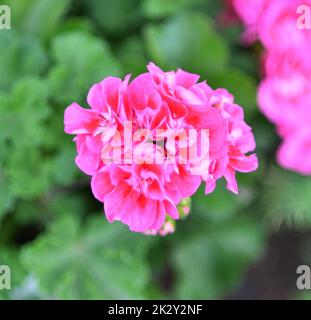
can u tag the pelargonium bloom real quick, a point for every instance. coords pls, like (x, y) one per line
(284, 94)
(250, 12)
(278, 26)
(148, 144)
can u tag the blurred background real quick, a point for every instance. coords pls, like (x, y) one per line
(53, 233)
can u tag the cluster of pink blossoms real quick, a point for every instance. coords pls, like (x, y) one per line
(284, 96)
(144, 194)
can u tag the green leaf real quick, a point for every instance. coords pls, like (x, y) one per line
(6, 196)
(286, 198)
(90, 261)
(38, 17)
(162, 8)
(210, 263)
(132, 56)
(81, 60)
(65, 171)
(25, 111)
(26, 167)
(28, 172)
(114, 16)
(218, 206)
(20, 56)
(189, 42)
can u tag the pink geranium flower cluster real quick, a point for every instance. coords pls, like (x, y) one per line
(142, 186)
(283, 27)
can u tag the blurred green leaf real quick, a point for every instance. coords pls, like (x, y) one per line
(114, 16)
(210, 263)
(189, 42)
(218, 206)
(26, 167)
(65, 171)
(81, 60)
(94, 260)
(24, 113)
(38, 17)
(286, 198)
(6, 196)
(162, 8)
(20, 56)
(82, 24)
(28, 172)
(132, 56)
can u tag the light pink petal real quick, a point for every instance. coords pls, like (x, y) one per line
(142, 216)
(88, 161)
(118, 174)
(111, 88)
(243, 163)
(185, 183)
(231, 180)
(171, 209)
(186, 79)
(101, 185)
(155, 190)
(119, 202)
(96, 99)
(159, 218)
(94, 143)
(154, 100)
(80, 121)
(210, 186)
(139, 91)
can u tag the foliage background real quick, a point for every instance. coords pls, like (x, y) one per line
(53, 233)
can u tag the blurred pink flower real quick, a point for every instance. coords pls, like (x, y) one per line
(277, 26)
(284, 95)
(250, 12)
(295, 151)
